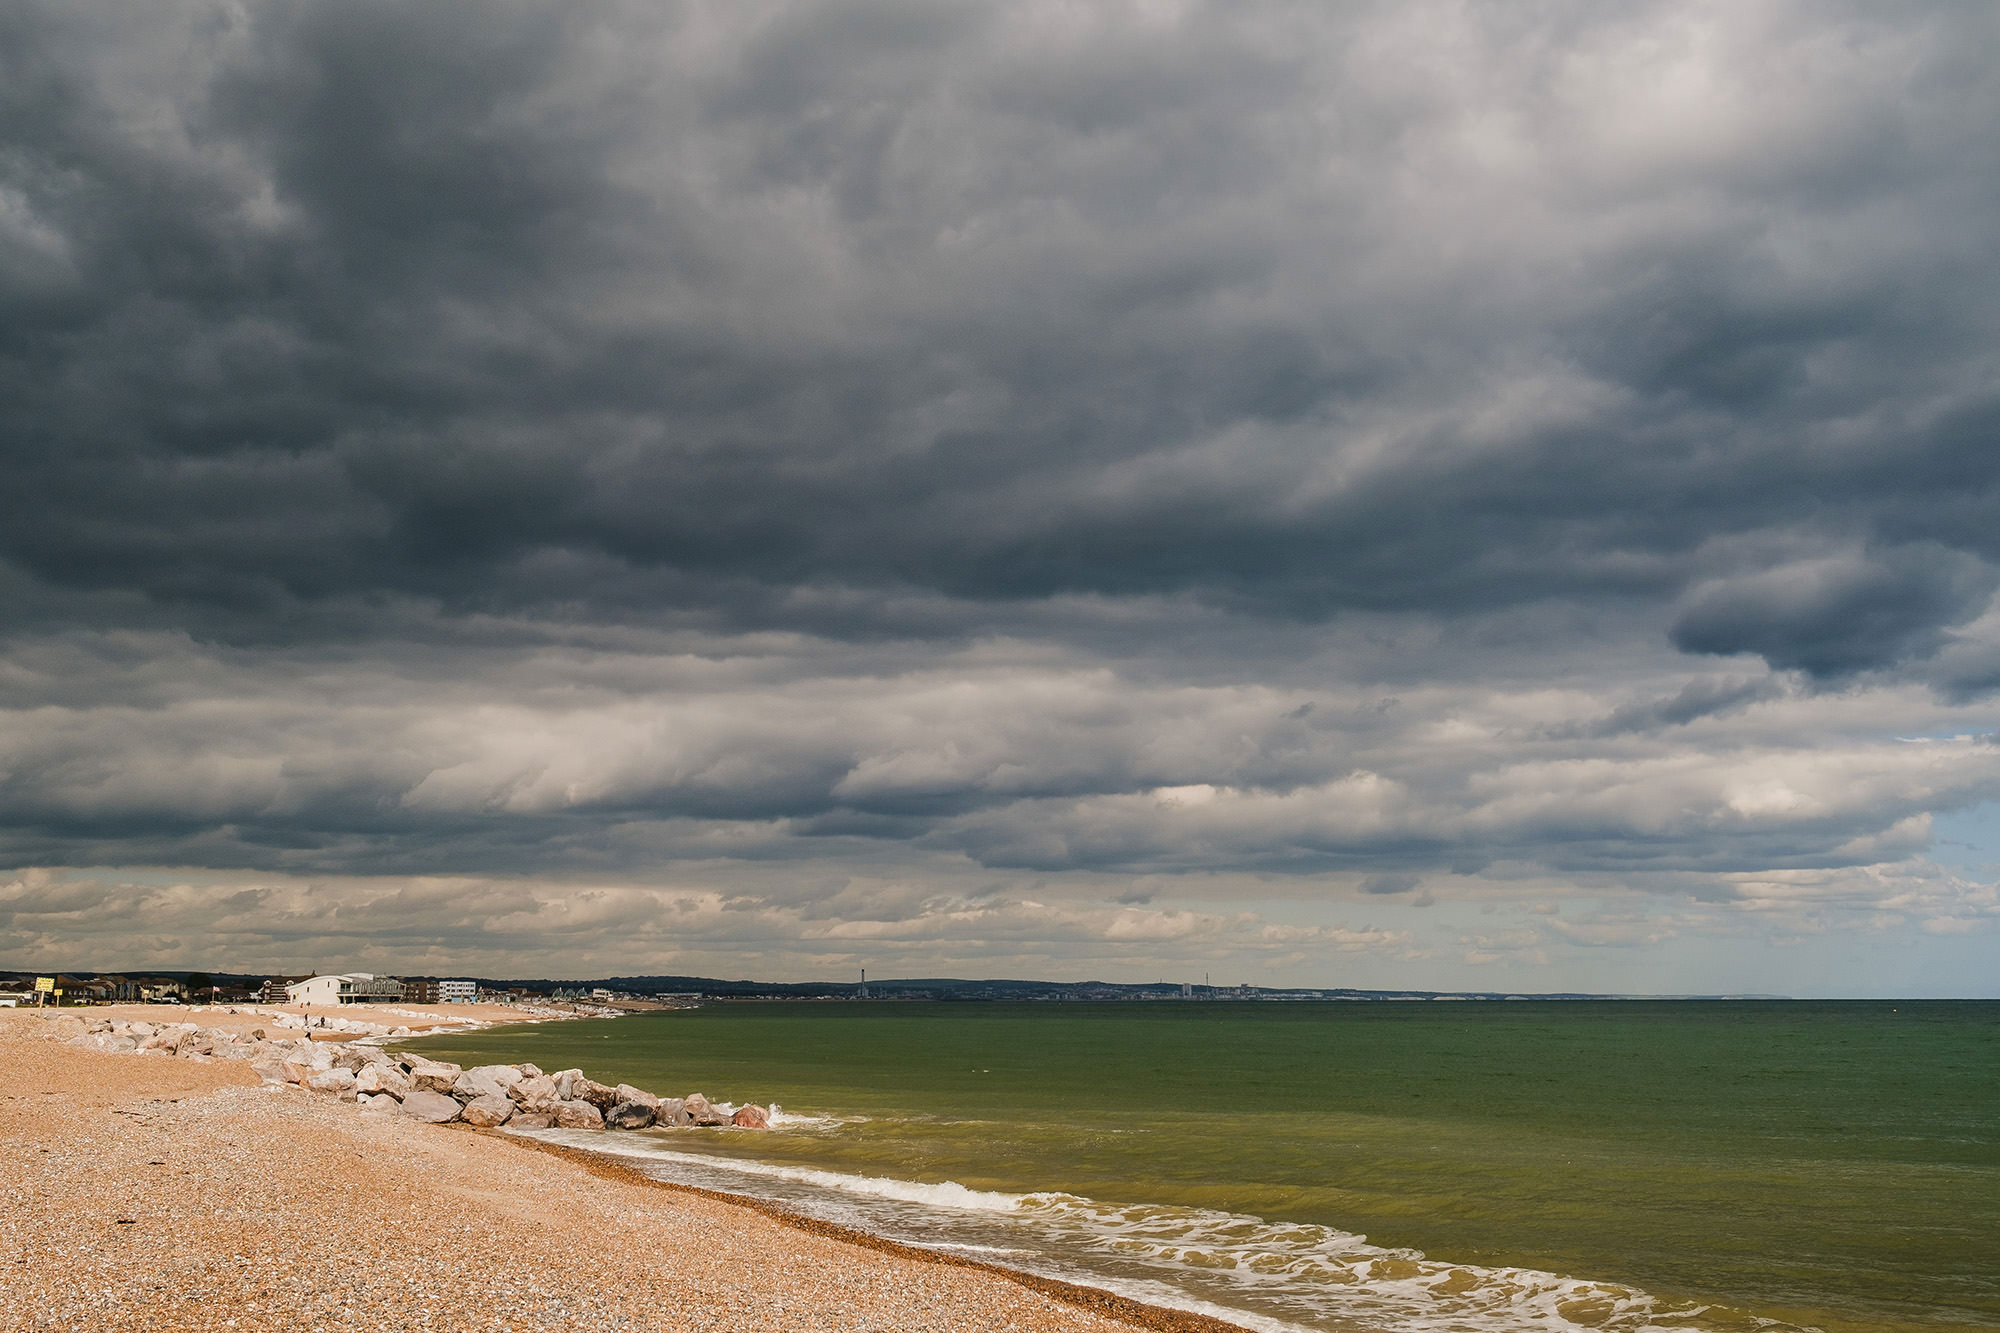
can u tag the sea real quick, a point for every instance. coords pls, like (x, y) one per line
(1424, 1167)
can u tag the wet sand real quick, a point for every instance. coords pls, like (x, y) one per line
(150, 1192)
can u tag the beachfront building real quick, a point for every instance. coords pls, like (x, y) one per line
(345, 988)
(457, 992)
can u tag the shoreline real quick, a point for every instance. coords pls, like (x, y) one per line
(1138, 1314)
(85, 1133)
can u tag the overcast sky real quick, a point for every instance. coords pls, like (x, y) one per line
(1417, 494)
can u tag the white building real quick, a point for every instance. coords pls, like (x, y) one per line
(345, 988)
(458, 992)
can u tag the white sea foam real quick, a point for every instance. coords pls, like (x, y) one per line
(789, 1120)
(1274, 1277)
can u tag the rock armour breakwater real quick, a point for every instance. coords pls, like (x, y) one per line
(435, 1091)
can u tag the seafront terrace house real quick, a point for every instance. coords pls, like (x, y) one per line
(346, 988)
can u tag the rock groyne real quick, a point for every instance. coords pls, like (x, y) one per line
(435, 1091)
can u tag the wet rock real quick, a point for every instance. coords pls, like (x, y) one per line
(637, 1096)
(673, 1111)
(751, 1117)
(486, 1112)
(703, 1112)
(431, 1107)
(531, 1120)
(629, 1115)
(578, 1115)
(597, 1094)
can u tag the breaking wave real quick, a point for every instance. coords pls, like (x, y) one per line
(1276, 1277)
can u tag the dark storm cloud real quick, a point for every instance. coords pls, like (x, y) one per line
(1836, 617)
(533, 438)
(349, 298)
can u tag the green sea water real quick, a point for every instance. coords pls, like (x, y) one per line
(1616, 1165)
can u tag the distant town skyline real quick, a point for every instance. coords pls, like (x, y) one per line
(1383, 496)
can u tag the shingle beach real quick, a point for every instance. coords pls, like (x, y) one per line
(144, 1191)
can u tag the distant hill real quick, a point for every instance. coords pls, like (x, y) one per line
(906, 988)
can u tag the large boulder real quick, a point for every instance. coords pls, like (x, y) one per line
(537, 1094)
(672, 1111)
(751, 1117)
(597, 1094)
(270, 1070)
(432, 1075)
(638, 1096)
(629, 1115)
(528, 1070)
(578, 1115)
(504, 1075)
(358, 1058)
(566, 1083)
(337, 1081)
(487, 1112)
(472, 1085)
(702, 1111)
(386, 1079)
(377, 1101)
(431, 1107)
(531, 1120)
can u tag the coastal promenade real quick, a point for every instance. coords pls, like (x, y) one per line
(153, 1192)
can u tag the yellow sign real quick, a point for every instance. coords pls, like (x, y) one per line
(45, 983)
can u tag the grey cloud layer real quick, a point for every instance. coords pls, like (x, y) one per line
(1387, 439)
(1404, 307)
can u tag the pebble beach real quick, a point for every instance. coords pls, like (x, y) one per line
(145, 1191)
